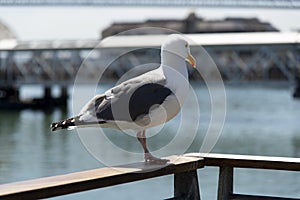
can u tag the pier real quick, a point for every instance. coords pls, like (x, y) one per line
(252, 56)
(45, 64)
(183, 167)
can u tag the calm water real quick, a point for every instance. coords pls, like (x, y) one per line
(261, 120)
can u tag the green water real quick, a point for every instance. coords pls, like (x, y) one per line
(260, 120)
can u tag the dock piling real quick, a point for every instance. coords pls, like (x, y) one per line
(225, 188)
(186, 186)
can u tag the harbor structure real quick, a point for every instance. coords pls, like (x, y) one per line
(254, 56)
(191, 24)
(10, 71)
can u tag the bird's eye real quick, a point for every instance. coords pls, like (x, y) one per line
(186, 45)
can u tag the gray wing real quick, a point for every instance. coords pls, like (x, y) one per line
(127, 101)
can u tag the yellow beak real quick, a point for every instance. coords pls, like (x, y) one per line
(190, 59)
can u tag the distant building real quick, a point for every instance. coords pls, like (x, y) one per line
(5, 32)
(192, 24)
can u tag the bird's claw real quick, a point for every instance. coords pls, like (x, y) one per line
(154, 160)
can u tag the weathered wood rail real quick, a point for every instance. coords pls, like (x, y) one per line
(103, 177)
(183, 167)
(227, 163)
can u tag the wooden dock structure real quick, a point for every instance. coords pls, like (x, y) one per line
(250, 57)
(183, 167)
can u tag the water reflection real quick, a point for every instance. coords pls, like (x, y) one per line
(29, 149)
(8, 142)
(260, 121)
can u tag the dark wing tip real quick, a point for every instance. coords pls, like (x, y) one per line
(54, 126)
(64, 124)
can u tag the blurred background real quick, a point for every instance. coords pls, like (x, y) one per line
(255, 45)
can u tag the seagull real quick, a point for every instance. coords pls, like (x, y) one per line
(142, 102)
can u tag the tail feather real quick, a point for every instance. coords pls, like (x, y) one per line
(64, 124)
(72, 123)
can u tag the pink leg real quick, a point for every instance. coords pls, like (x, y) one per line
(148, 156)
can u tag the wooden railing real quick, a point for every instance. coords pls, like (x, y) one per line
(227, 163)
(183, 167)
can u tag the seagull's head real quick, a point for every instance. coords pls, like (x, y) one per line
(177, 44)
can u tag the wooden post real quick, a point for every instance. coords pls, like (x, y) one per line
(63, 92)
(296, 93)
(225, 182)
(47, 93)
(186, 185)
(63, 96)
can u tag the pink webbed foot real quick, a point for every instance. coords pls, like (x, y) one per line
(154, 160)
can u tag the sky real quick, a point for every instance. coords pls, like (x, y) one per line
(64, 23)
